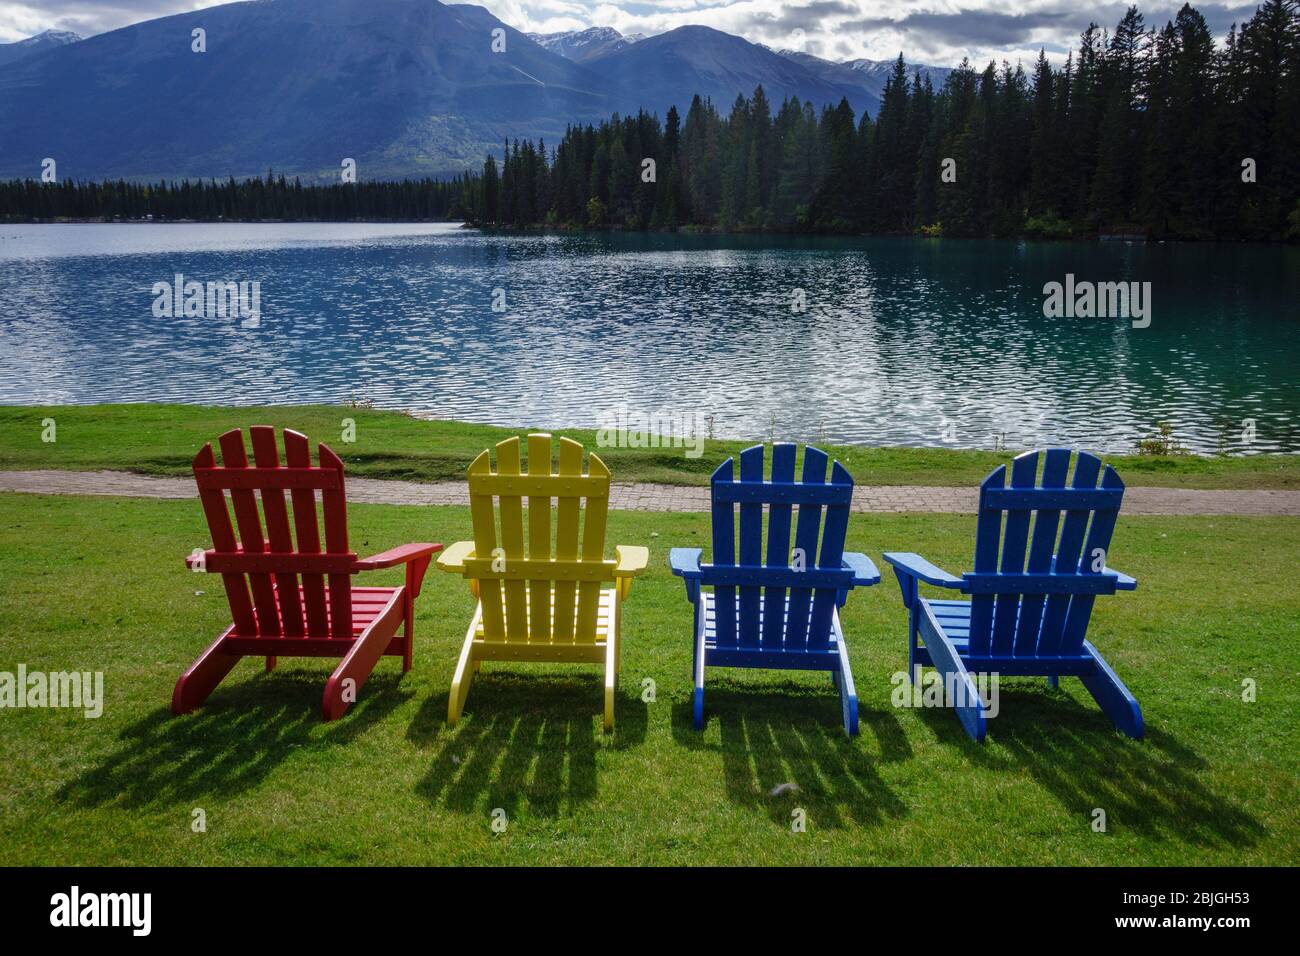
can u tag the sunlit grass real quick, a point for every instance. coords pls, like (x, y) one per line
(98, 584)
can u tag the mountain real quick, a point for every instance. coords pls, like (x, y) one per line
(669, 69)
(404, 87)
(12, 52)
(583, 45)
(868, 76)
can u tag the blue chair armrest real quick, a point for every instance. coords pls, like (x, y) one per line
(685, 563)
(1123, 582)
(864, 569)
(915, 566)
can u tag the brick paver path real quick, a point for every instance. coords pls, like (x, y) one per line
(646, 497)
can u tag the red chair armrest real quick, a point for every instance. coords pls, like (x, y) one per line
(403, 554)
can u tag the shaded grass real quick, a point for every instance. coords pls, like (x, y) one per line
(163, 439)
(98, 584)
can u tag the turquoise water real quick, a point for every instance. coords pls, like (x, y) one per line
(902, 342)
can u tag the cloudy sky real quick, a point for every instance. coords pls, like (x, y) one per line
(938, 32)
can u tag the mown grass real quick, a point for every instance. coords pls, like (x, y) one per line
(162, 440)
(98, 584)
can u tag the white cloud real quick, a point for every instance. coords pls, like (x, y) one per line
(940, 32)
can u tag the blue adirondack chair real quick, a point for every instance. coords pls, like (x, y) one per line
(1025, 617)
(780, 611)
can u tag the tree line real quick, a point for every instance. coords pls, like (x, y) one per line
(23, 200)
(1160, 132)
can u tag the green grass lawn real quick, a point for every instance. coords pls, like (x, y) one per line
(98, 584)
(162, 440)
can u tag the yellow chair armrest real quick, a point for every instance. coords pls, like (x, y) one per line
(453, 558)
(632, 560)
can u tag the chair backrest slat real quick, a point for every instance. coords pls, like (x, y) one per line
(535, 597)
(267, 458)
(798, 595)
(751, 548)
(1056, 467)
(807, 529)
(223, 539)
(265, 559)
(779, 514)
(297, 454)
(1038, 606)
(568, 514)
(1015, 539)
(244, 501)
(831, 556)
(539, 539)
(724, 555)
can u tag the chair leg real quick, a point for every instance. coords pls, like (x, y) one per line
(408, 631)
(844, 684)
(1112, 696)
(968, 704)
(203, 676)
(611, 679)
(911, 643)
(350, 676)
(466, 668)
(698, 660)
(271, 661)
(1054, 681)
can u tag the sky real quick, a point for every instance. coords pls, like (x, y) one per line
(935, 32)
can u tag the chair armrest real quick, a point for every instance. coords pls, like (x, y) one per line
(453, 559)
(403, 554)
(632, 560)
(1123, 582)
(864, 569)
(685, 562)
(915, 566)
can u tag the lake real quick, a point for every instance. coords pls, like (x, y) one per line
(899, 342)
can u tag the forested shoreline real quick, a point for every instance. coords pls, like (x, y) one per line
(1154, 132)
(1143, 131)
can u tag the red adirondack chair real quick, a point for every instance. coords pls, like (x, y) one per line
(284, 617)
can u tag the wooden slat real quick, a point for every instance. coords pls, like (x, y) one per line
(988, 529)
(512, 541)
(568, 512)
(543, 572)
(1015, 538)
(483, 515)
(748, 491)
(267, 457)
(1099, 535)
(539, 535)
(593, 549)
(806, 533)
(834, 530)
(335, 513)
(724, 553)
(1073, 531)
(297, 454)
(1059, 499)
(539, 485)
(269, 476)
(249, 522)
(751, 548)
(223, 539)
(1056, 466)
(778, 546)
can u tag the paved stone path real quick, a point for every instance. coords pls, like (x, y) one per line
(647, 497)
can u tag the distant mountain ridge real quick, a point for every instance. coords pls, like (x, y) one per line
(12, 52)
(404, 87)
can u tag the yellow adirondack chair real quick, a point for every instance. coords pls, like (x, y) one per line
(553, 599)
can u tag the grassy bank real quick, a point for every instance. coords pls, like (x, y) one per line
(98, 584)
(162, 439)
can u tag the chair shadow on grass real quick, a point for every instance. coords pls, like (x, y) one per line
(229, 745)
(768, 740)
(1152, 786)
(524, 740)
